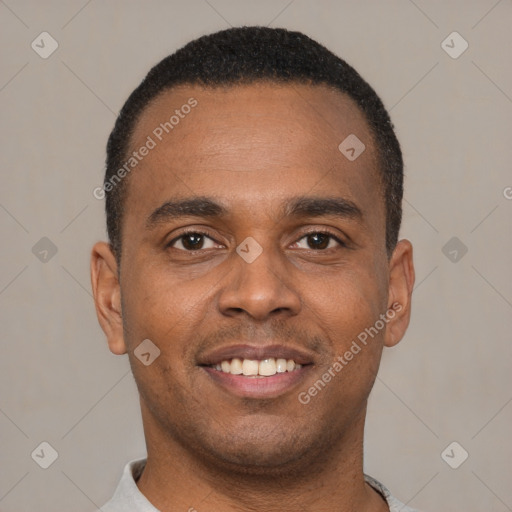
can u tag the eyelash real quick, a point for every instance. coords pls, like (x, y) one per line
(205, 233)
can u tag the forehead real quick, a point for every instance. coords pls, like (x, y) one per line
(251, 143)
(248, 117)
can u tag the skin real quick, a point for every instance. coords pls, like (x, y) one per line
(252, 148)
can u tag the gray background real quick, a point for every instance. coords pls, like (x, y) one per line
(449, 380)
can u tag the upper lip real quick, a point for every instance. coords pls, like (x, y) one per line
(255, 352)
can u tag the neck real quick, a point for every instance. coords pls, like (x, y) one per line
(175, 479)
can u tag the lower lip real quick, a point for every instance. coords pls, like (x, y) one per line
(258, 387)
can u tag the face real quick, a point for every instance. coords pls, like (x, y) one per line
(249, 239)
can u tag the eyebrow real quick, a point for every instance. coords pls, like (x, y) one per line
(189, 207)
(302, 206)
(305, 206)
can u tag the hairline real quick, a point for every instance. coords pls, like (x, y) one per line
(122, 191)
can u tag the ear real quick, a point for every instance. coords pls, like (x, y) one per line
(107, 295)
(401, 283)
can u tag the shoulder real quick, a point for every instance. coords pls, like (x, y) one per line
(127, 495)
(395, 505)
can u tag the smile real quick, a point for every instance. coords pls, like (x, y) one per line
(260, 371)
(256, 368)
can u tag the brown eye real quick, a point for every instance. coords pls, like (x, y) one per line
(319, 240)
(192, 241)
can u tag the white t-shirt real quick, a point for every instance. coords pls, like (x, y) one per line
(128, 498)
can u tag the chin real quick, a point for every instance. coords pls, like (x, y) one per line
(260, 457)
(259, 464)
(273, 451)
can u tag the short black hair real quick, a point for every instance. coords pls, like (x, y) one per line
(244, 55)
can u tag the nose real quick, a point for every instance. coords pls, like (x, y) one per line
(259, 289)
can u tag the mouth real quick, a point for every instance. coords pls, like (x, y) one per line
(254, 368)
(257, 372)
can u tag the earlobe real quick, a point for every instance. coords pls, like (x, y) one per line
(107, 295)
(401, 283)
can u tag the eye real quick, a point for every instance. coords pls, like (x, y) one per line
(192, 241)
(321, 240)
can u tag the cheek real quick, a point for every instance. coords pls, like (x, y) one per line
(166, 309)
(355, 351)
(157, 313)
(154, 301)
(349, 314)
(346, 303)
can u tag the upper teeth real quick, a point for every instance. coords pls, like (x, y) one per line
(252, 367)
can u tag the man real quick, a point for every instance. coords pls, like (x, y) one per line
(253, 275)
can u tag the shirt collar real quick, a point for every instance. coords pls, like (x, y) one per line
(128, 497)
